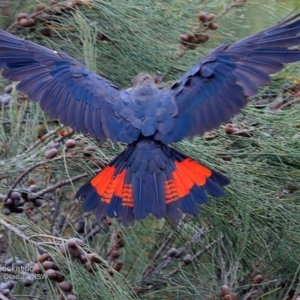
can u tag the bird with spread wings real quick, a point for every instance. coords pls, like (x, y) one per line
(150, 177)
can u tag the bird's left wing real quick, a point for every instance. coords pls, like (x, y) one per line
(65, 88)
(217, 87)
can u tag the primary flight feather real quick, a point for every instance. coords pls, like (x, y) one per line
(150, 177)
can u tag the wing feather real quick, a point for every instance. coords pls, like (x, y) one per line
(66, 89)
(218, 86)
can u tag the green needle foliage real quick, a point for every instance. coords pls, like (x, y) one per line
(248, 240)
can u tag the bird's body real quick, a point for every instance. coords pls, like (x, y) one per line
(150, 177)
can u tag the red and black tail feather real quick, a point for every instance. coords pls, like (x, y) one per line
(150, 178)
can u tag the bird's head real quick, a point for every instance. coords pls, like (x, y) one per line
(143, 79)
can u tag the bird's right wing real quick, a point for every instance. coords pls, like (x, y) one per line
(217, 87)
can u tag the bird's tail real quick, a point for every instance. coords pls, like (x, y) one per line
(149, 177)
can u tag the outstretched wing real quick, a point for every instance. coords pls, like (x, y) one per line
(65, 88)
(217, 87)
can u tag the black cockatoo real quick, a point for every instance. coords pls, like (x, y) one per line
(150, 177)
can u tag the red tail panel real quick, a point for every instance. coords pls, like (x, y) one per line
(171, 191)
(103, 180)
(127, 187)
(127, 195)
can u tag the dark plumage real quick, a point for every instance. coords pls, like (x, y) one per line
(149, 176)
